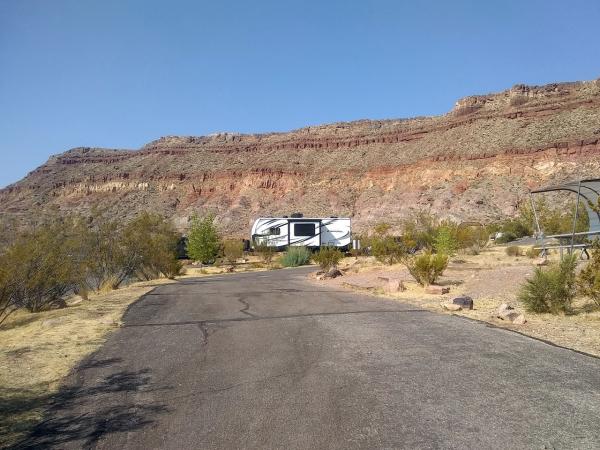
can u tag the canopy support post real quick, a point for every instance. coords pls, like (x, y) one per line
(537, 223)
(576, 216)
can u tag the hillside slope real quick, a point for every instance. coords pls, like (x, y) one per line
(474, 163)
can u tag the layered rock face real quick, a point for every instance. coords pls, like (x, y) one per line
(475, 163)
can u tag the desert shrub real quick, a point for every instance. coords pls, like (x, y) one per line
(387, 249)
(37, 270)
(295, 256)
(427, 267)
(233, 250)
(203, 240)
(445, 241)
(471, 236)
(265, 252)
(513, 250)
(152, 241)
(533, 252)
(418, 232)
(328, 257)
(551, 290)
(104, 255)
(588, 281)
(382, 228)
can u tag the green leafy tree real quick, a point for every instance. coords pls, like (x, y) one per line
(203, 239)
(445, 241)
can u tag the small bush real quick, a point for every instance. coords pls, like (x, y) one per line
(265, 252)
(472, 250)
(387, 249)
(382, 228)
(426, 268)
(551, 290)
(328, 257)
(470, 236)
(588, 282)
(533, 252)
(513, 250)
(233, 250)
(295, 256)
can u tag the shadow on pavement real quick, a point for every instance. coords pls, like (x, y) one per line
(73, 414)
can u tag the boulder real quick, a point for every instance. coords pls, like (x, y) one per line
(519, 320)
(451, 306)
(333, 273)
(435, 289)
(542, 261)
(509, 316)
(508, 313)
(75, 300)
(464, 301)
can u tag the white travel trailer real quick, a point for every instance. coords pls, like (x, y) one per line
(313, 232)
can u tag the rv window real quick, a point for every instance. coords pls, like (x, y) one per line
(274, 231)
(304, 229)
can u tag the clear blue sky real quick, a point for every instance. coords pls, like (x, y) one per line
(119, 73)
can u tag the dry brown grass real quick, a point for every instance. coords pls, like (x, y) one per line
(490, 278)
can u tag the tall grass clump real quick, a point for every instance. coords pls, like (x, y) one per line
(551, 290)
(295, 256)
(513, 250)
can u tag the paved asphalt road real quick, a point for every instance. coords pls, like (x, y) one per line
(268, 360)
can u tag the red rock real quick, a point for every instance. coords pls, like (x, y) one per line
(435, 289)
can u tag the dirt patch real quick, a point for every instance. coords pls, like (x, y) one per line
(490, 278)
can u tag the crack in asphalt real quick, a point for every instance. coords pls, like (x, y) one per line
(253, 317)
(246, 307)
(205, 334)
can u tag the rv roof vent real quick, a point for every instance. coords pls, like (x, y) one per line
(297, 215)
(285, 217)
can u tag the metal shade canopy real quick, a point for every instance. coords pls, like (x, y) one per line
(588, 193)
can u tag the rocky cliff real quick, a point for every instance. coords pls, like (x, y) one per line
(475, 163)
